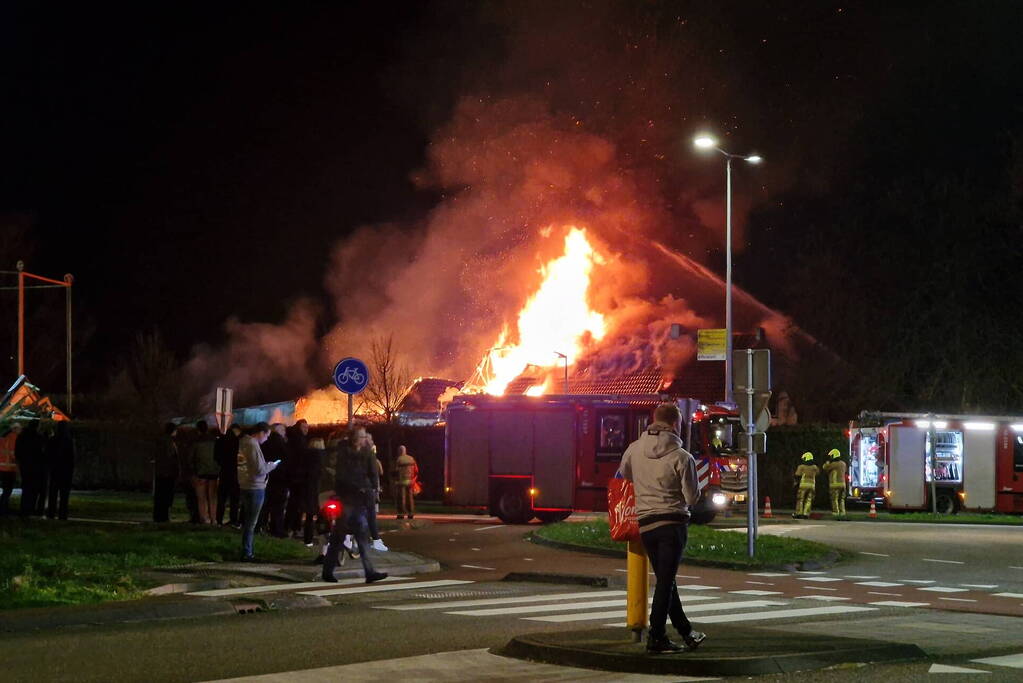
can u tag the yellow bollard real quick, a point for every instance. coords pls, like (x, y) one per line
(638, 583)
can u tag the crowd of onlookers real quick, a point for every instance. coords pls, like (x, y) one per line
(272, 479)
(44, 457)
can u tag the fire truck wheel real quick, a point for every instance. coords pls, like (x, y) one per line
(550, 516)
(947, 503)
(513, 505)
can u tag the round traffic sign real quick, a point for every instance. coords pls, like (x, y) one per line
(351, 375)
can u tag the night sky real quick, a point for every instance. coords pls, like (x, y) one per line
(189, 163)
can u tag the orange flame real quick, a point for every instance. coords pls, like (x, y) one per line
(555, 320)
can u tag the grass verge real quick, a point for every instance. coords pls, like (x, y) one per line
(66, 563)
(706, 545)
(930, 518)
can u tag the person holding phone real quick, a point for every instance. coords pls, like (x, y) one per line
(252, 474)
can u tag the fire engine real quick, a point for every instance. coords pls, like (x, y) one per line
(547, 456)
(975, 461)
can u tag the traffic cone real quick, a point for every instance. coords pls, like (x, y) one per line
(873, 510)
(767, 507)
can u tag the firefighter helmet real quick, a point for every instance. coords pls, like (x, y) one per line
(808, 457)
(834, 454)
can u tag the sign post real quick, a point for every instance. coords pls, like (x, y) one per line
(224, 411)
(753, 378)
(351, 377)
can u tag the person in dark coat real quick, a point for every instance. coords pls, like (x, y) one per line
(165, 474)
(186, 448)
(28, 451)
(298, 462)
(60, 456)
(225, 450)
(276, 448)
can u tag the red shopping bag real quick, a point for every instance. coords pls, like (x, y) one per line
(621, 510)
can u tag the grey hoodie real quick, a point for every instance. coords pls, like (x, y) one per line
(662, 472)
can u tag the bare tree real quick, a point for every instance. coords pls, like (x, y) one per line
(389, 378)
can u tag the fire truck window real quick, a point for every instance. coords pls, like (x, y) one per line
(642, 422)
(612, 435)
(1017, 454)
(948, 456)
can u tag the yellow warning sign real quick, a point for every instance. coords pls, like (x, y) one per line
(710, 344)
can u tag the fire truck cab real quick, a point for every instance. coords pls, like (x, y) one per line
(547, 456)
(975, 461)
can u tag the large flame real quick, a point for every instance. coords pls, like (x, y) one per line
(555, 320)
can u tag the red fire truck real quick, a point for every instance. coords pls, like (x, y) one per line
(976, 461)
(546, 456)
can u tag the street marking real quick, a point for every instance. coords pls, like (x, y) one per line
(897, 603)
(696, 587)
(958, 599)
(864, 552)
(1011, 567)
(818, 578)
(923, 581)
(781, 614)
(386, 587)
(528, 559)
(593, 616)
(898, 595)
(1008, 595)
(879, 584)
(271, 588)
(942, 589)
(476, 566)
(529, 609)
(485, 528)
(509, 601)
(475, 549)
(755, 592)
(819, 588)
(979, 585)
(1013, 661)
(928, 559)
(759, 583)
(862, 578)
(946, 669)
(623, 571)
(808, 573)
(686, 576)
(769, 574)
(829, 598)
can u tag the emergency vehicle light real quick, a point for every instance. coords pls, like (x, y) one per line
(1017, 428)
(448, 489)
(534, 492)
(926, 424)
(980, 426)
(718, 499)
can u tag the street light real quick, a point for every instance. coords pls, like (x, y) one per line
(565, 358)
(708, 142)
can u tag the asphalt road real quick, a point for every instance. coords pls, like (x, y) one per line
(362, 629)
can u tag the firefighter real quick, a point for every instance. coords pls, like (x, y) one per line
(806, 474)
(836, 469)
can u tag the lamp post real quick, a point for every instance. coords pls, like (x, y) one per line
(706, 142)
(564, 358)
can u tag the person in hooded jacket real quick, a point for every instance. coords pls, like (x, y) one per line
(60, 454)
(298, 459)
(663, 474)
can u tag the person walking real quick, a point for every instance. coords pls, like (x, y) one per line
(836, 468)
(664, 476)
(28, 452)
(8, 466)
(225, 450)
(165, 474)
(207, 472)
(406, 476)
(356, 479)
(252, 474)
(60, 456)
(806, 476)
(271, 519)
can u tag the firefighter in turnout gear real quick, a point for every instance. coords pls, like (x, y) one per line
(806, 474)
(835, 469)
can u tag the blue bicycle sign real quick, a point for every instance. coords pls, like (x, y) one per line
(351, 375)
